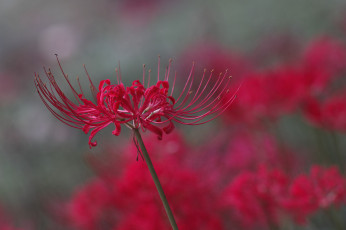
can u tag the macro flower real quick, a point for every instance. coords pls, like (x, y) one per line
(139, 106)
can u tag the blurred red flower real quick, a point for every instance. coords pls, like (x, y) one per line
(255, 197)
(216, 195)
(230, 154)
(91, 206)
(324, 65)
(264, 196)
(194, 209)
(323, 60)
(323, 188)
(268, 95)
(129, 200)
(329, 113)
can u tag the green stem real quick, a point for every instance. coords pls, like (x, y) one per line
(339, 155)
(320, 140)
(334, 218)
(156, 179)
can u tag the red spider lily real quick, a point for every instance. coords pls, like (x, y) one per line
(150, 108)
(269, 194)
(268, 94)
(329, 113)
(255, 196)
(322, 188)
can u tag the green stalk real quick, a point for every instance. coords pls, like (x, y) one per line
(334, 218)
(339, 155)
(156, 179)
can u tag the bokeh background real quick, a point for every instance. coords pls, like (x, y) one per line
(43, 162)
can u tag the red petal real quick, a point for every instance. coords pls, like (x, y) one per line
(153, 129)
(169, 128)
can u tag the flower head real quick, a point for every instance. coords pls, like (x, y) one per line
(140, 105)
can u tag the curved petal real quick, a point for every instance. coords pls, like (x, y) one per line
(153, 129)
(93, 133)
(169, 128)
(117, 129)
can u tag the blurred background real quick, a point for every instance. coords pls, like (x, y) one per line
(290, 112)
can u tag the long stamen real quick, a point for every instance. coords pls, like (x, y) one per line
(199, 86)
(80, 87)
(193, 100)
(168, 70)
(149, 72)
(218, 111)
(92, 86)
(188, 79)
(214, 89)
(175, 77)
